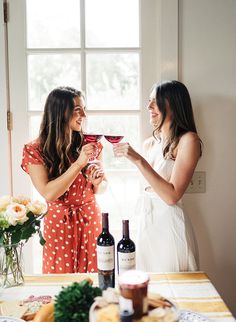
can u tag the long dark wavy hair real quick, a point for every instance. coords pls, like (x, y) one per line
(58, 144)
(176, 96)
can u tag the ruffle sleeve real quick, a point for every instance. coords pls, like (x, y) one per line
(31, 155)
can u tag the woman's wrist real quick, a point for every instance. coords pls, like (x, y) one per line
(78, 166)
(139, 161)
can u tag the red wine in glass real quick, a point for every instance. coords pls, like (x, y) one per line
(92, 138)
(113, 138)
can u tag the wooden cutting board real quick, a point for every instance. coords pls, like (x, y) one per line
(12, 308)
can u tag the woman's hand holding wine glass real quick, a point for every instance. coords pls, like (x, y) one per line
(94, 170)
(92, 138)
(126, 150)
(95, 173)
(114, 139)
(88, 151)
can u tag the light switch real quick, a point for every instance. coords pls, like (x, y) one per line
(197, 183)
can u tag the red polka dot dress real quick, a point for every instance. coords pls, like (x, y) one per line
(71, 225)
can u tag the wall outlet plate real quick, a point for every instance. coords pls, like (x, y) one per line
(197, 183)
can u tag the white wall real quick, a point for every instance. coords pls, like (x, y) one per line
(207, 65)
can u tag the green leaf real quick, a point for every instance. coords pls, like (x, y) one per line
(16, 237)
(41, 238)
(14, 234)
(27, 232)
(1, 238)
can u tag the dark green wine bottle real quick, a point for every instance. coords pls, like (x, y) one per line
(125, 251)
(106, 256)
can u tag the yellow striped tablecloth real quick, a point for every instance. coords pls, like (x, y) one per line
(189, 291)
(192, 291)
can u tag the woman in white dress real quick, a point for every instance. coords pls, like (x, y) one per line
(165, 240)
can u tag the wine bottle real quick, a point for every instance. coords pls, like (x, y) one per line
(125, 251)
(106, 256)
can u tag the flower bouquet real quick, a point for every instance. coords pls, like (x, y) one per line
(20, 218)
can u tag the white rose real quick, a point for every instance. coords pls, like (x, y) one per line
(16, 213)
(5, 201)
(23, 200)
(37, 207)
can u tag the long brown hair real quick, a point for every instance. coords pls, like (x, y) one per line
(58, 144)
(176, 95)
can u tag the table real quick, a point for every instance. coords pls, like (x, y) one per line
(190, 290)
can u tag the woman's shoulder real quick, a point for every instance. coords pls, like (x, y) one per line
(33, 147)
(31, 155)
(189, 137)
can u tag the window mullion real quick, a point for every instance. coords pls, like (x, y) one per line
(82, 37)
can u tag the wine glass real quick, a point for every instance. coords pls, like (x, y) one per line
(92, 138)
(114, 139)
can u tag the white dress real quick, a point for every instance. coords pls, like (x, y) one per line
(165, 239)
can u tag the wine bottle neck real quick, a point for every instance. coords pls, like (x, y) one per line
(105, 225)
(125, 229)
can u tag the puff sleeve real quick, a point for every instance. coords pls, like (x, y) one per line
(31, 155)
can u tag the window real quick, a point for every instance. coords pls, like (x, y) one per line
(96, 46)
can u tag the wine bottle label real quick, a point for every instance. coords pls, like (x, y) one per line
(105, 258)
(126, 261)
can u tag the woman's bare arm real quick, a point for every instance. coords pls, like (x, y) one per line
(186, 160)
(53, 189)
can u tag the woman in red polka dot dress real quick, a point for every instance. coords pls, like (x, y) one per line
(56, 163)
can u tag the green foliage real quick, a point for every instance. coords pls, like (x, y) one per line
(3, 222)
(24, 231)
(73, 302)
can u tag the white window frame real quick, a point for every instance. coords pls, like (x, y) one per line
(159, 60)
(5, 160)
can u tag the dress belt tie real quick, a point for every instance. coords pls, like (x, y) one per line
(73, 216)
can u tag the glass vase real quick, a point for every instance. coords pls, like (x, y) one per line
(11, 263)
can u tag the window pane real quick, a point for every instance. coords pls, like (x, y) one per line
(34, 124)
(112, 23)
(53, 23)
(113, 81)
(120, 199)
(126, 125)
(45, 72)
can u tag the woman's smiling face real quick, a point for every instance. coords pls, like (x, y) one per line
(155, 115)
(78, 114)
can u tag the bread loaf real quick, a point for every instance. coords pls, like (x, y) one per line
(45, 313)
